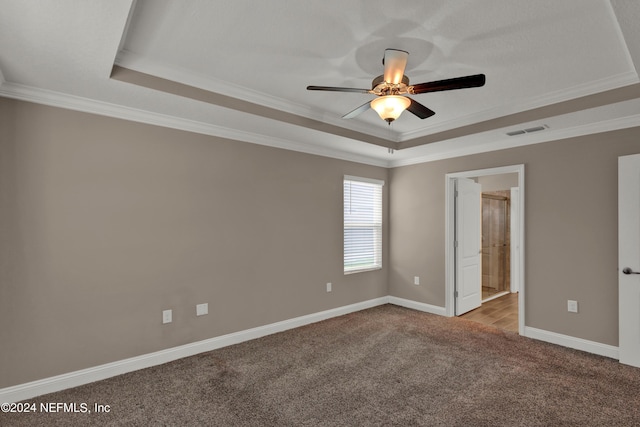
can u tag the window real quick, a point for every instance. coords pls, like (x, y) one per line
(362, 224)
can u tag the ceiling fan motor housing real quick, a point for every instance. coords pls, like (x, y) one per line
(381, 87)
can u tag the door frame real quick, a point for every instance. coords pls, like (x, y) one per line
(450, 285)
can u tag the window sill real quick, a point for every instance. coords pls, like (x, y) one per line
(362, 270)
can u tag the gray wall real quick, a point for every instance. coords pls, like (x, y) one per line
(570, 231)
(498, 182)
(104, 223)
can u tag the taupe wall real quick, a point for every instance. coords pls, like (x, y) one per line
(570, 231)
(104, 223)
(498, 182)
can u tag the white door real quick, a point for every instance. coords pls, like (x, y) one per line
(629, 259)
(468, 241)
(515, 239)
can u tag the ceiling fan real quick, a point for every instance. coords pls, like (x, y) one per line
(391, 88)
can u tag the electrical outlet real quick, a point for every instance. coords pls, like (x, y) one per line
(572, 306)
(167, 316)
(202, 309)
(416, 280)
(329, 287)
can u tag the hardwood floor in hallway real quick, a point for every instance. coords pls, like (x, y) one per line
(501, 312)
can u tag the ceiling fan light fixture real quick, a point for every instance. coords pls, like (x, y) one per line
(389, 107)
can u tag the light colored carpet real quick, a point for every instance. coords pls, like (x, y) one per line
(386, 366)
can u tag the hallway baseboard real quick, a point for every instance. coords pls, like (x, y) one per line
(572, 342)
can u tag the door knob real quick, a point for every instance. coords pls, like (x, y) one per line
(627, 270)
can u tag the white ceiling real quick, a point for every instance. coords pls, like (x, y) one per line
(535, 54)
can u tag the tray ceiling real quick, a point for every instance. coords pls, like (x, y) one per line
(240, 69)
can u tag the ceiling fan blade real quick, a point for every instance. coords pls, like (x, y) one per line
(394, 62)
(420, 110)
(339, 89)
(476, 80)
(361, 109)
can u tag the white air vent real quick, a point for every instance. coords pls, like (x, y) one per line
(528, 130)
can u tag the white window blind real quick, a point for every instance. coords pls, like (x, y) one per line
(362, 224)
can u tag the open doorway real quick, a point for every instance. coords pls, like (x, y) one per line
(499, 194)
(496, 244)
(496, 212)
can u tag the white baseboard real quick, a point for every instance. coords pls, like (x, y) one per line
(419, 306)
(538, 334)
(101, 372)
(572, 342)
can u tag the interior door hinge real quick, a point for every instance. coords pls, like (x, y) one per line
(455, 294)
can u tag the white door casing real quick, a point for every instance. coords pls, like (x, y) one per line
(450, 179)
(629, 258)
(468, 245)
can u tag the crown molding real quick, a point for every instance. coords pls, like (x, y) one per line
(568, 94)
(132, 61)
(72, 102)
(521, 141)
(621, 24)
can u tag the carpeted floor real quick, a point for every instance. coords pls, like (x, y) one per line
(386, 366)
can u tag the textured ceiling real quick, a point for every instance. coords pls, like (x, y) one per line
(239, 69)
